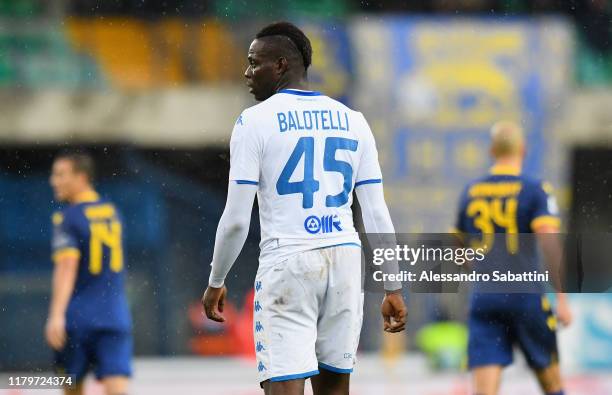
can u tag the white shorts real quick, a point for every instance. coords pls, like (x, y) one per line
(308, 313)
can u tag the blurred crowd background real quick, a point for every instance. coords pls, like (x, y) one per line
(152, 90)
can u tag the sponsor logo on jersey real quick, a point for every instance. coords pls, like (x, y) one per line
(325, 224)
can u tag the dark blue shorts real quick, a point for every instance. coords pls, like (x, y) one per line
(108, 353)
(498, 322)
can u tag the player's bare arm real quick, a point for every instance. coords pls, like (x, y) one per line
(552, 249)
(64, 277)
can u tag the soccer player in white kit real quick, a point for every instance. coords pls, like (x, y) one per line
(303, 154)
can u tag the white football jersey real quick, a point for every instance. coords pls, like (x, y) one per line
(306, 153)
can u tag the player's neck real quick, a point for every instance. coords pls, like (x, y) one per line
(300, 84)
(86, 194)
(510, 165)
(513, 162)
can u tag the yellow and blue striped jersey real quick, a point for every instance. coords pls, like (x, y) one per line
(506, 201)
(500, 212)
(91, 231)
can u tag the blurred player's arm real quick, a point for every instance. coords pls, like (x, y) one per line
(546, 226)
(65, 257)
(459, 234)
(550, 244)
(64, 278)
(459, 230)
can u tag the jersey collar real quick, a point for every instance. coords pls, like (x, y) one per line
(505, 170)
(300, 92)
(87, 197)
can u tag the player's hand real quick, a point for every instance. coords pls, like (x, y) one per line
(55, 332)
(213, 302)
(564, 313)
(394, 312)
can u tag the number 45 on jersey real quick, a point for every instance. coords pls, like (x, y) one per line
(308, 186)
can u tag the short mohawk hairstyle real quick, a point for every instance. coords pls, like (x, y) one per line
(294, 34)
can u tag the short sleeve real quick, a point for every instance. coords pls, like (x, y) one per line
(369, 168)
(245, 151)
(64, 241)
(545, 209)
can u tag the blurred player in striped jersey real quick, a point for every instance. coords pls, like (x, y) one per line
(508, 203)
(89, 322)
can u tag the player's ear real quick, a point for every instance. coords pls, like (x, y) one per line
(83, 178)
(281, 66)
